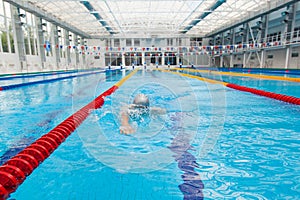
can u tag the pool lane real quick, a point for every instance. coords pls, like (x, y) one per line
(43, 73)
(256, 132)
(15, 83)
(289, 95)
(279, 72)
(277, 84)
(27, 112)
(255, 76)
(281, 87)
(64, 129)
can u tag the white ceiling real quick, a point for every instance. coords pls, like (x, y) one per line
(144, 18)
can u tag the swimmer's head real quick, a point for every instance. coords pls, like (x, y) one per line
(141, 100)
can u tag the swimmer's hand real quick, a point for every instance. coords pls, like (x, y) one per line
(126, 129)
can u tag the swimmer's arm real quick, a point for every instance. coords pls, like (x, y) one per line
(124, 118)
(125, 126)
(158, 111)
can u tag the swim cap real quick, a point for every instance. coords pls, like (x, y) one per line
(141, 100)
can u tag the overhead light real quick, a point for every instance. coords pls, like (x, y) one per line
(22, 15)
(259, 22)
(285, 13)
(285, 21)
(256, 27)
(44, 24)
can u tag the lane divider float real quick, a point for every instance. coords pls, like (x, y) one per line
(16, 169)
(258, 76)
(272, 95)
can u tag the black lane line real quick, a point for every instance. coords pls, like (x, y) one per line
(192, 186)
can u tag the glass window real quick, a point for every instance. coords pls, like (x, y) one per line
(7, 41)
(2, 26)
(116, 42)
(108, 43)
(170, 42)
(136, 42)
(128, 43)
(179, 42)
(295, 54)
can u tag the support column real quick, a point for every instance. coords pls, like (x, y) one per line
(231, 61)
(143, 59)
(67, 42)
(123, 59)
(232, 42)
(19, 37)
(287, 57)
(262, 57)
(245, 41)
(209, 60)
(54, 36)
(221, 50)
(75, 39)
(163, 59)
(83, 54)
(290, 24)
(40, 41)
(221, 61)
(178, 58)
(264, 34)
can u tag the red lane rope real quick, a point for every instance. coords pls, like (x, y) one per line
(16, 169)
(280, 97)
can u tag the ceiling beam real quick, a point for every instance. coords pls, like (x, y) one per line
(193, 23)
(96, 14)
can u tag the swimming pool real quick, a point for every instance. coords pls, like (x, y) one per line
(213, 143)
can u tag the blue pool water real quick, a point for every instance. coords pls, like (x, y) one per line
(213, 143)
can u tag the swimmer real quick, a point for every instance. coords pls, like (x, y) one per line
(139, 109)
